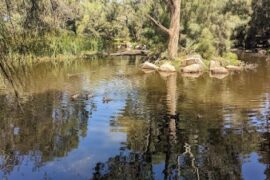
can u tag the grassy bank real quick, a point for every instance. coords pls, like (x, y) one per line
(62, 46)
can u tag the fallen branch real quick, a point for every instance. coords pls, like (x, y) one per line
(130, 53)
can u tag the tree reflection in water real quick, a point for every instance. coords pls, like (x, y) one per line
(183, 145)
(155, 141)
(41, 133)
(130, 165)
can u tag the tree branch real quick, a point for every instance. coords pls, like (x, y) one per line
(163, 28)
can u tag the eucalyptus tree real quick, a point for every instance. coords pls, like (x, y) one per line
(173, 8)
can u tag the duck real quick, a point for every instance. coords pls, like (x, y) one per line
(89, 96)
(75, 96)
(106, 99)
(199, 116)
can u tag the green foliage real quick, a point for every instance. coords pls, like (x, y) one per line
(70, 44)
(32, 28)
(205, 45)
(50, 27)
(208, 27)
(231, 59)
(53, 44)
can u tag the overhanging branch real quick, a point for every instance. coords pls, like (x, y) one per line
(163, 28)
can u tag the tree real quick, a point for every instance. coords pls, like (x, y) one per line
(258, 34)
(174, 8)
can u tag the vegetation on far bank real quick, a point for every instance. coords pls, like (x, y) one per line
(32, 30)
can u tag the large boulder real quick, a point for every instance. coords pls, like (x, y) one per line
(194, 68)
(216, 68)
(234, 68)
(196, 59)
(214, 64)
(219, 70)
(148, 71)
(167, 68)
(192, 75)
(148, 65)
(165, 75)
(262, 52)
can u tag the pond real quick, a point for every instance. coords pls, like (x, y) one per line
(137, 125)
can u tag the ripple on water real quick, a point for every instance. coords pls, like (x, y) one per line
(220, 119)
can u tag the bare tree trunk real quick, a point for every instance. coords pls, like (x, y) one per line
(174, 7)
(174, 30)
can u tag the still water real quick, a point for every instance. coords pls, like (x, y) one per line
(154, 126)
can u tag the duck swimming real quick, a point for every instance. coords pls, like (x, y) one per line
(106, 99)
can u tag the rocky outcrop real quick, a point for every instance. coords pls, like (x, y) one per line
(150, 66)
(167, 68)
(196, 59)
(194, 68)
(216, 68)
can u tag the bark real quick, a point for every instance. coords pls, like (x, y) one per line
(173, 31)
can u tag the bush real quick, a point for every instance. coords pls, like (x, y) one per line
(231, 59)
(205, 46)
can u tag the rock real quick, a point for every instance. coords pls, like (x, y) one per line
(197, 59)
(234, 68)
(262, 51)
(214, 64)
(148, 65)
(167, 68)
(216, 68)
(192, 75)
(194, 68)
(219, 70)
(148, 71)
(164, 74)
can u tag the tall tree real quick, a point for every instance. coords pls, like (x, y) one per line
(174, 8)
(259, 27)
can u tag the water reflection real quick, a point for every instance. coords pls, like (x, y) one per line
(157, 126)
(38, 135)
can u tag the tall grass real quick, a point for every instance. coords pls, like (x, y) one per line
(70, 44)
(34, 47)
